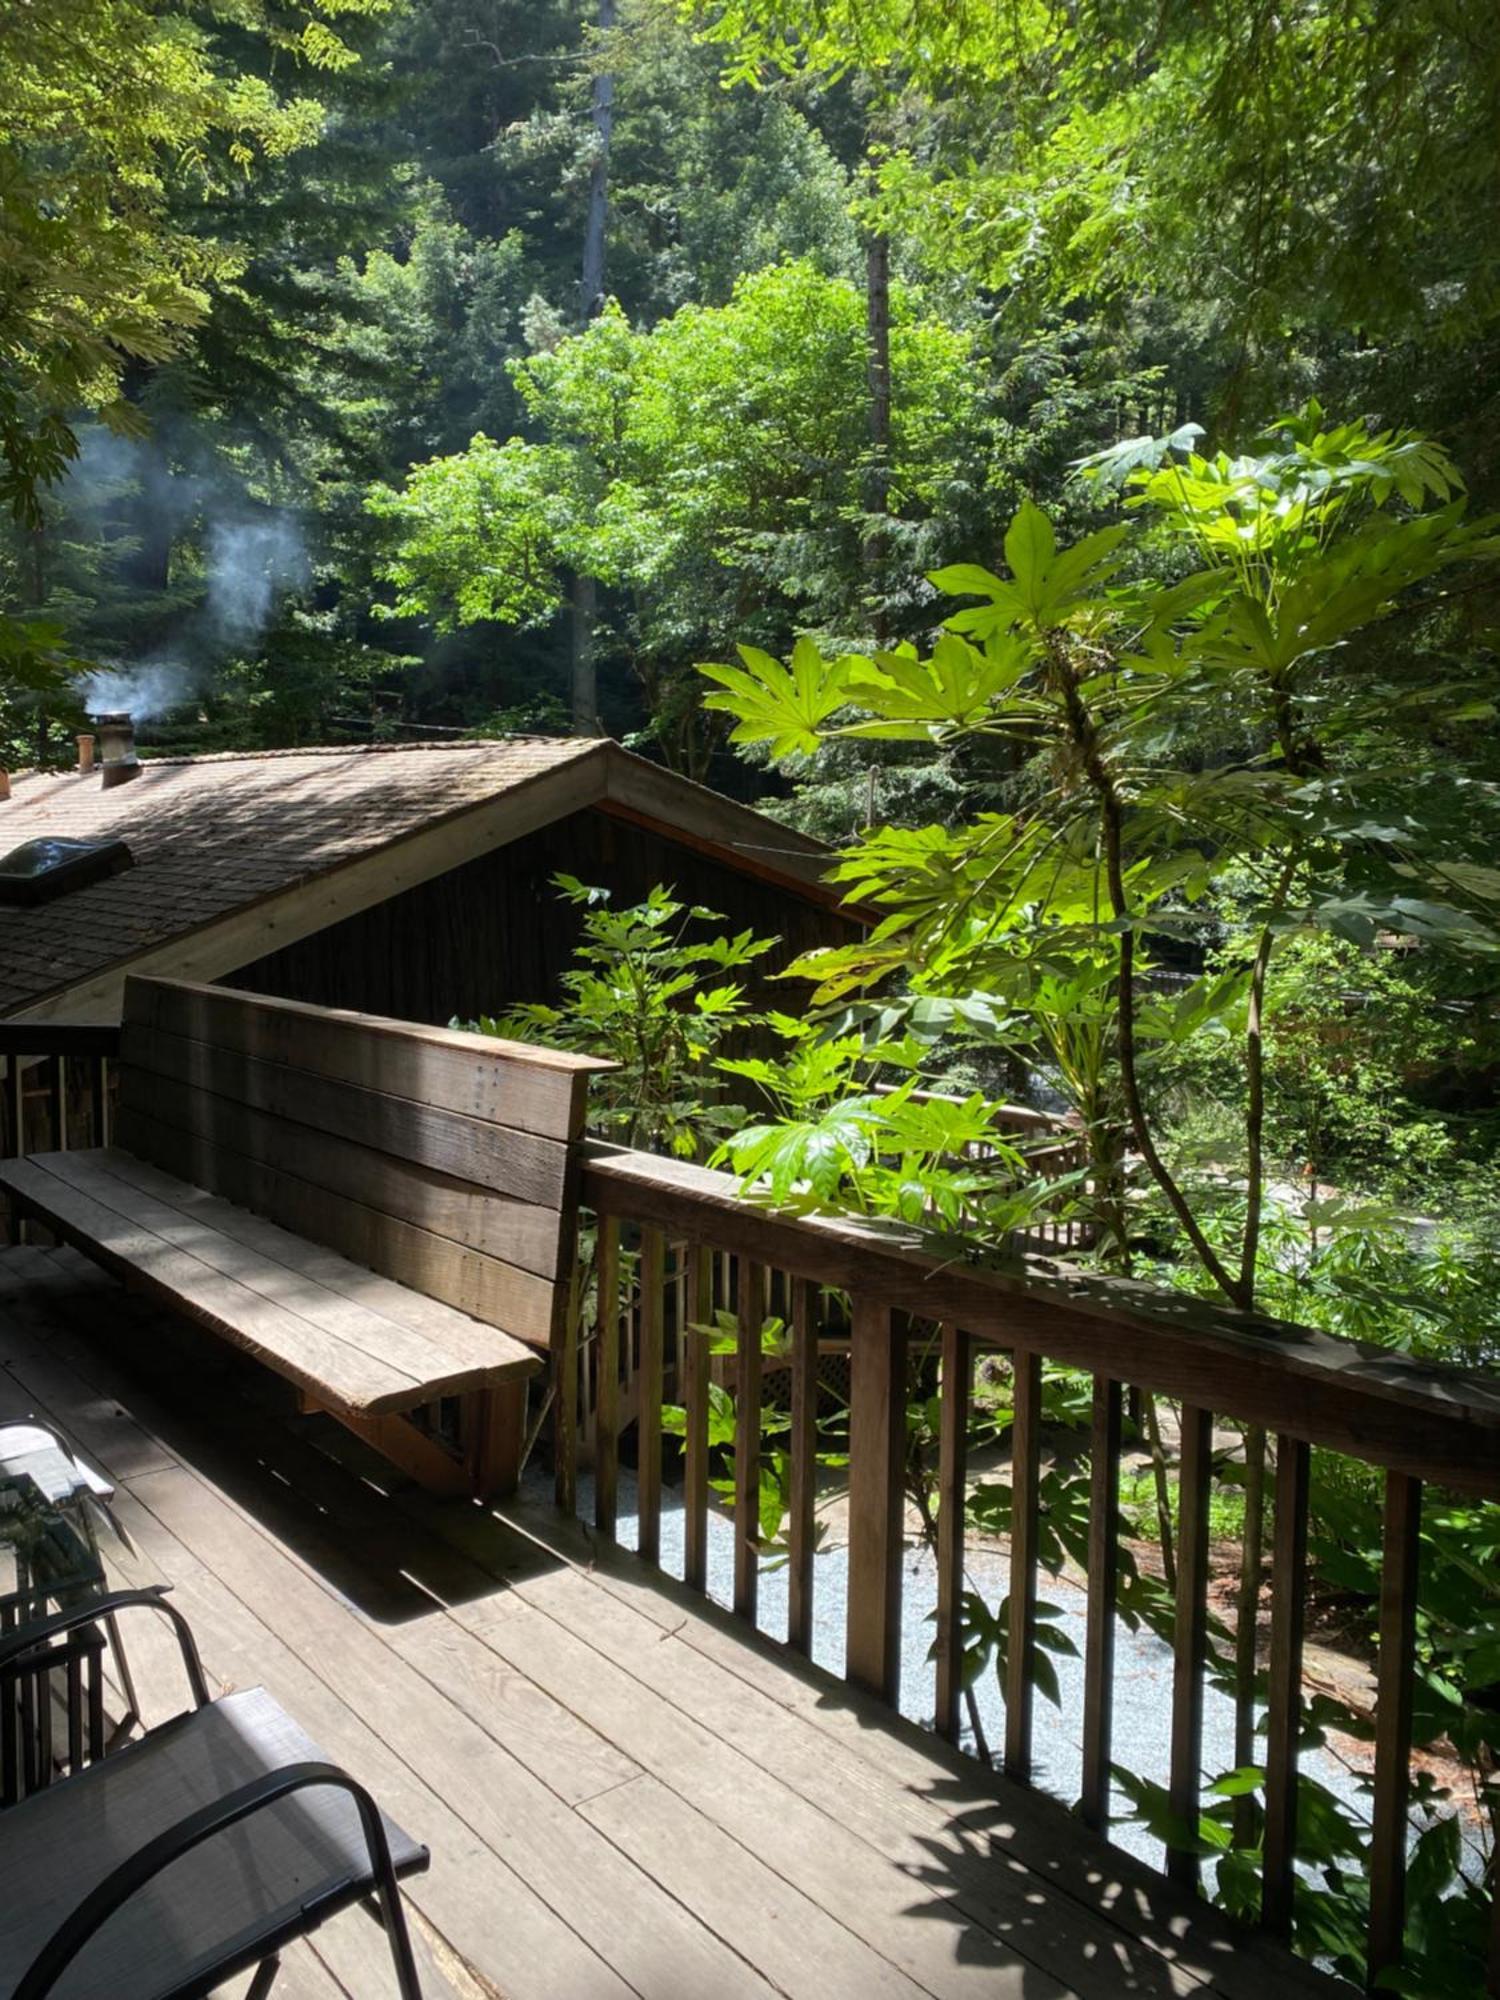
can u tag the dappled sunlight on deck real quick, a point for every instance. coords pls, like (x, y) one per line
(623, 1791)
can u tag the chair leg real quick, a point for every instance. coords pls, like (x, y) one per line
(112, 1626)
(398, 1937)
(264, 1980)
(494, 1436)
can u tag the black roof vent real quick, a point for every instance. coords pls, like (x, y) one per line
(41, 869)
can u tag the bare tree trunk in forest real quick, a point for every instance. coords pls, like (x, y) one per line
(602, 114)
(36, 552)
(585, 679)
(590, 302)
(878, 481)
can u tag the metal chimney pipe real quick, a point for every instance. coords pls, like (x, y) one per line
(117, 743)
(85, 753)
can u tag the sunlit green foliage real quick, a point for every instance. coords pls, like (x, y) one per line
(1291, 171)
(652, 994)
(708, 468)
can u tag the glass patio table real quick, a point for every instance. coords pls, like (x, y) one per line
(51, 1703)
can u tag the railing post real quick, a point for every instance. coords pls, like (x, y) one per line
(877, 1459)
(1284, 1697)
(1190, 1635)
(607, 1376)
(747, 1399)
(1025, 1471)
(803, 1449)
(565, 1393)
(1393, 1707)
(953, 1441)
(1103, 1584)
(653, 1278)
(700, 1295)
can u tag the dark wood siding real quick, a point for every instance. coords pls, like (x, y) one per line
(495, 931)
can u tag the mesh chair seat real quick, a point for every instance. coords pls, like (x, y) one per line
(223, 1905)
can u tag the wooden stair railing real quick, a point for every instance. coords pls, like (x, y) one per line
(1414, 1422)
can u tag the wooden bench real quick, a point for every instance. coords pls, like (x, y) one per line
(381, 1212)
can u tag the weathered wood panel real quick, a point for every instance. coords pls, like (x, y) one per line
(503, 1083)
(495, 931)
(519, 1302)
(510, 1162)
(522, 1233)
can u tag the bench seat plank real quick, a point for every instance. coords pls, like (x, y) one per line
(459, 1332)
(372, 1314)
(284, 1316)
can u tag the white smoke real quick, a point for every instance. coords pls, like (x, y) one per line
(141, 692)
(251, 563)
(252, 558)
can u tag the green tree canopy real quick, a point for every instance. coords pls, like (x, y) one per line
(1291, 174)
(706, 469)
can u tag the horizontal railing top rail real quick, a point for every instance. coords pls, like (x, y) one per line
(1434, 1422)
(59, 1038)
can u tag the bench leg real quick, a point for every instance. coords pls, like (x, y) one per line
(493, 1425)
(432, 1465)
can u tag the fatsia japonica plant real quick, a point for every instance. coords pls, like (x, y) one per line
(651, 992)
(1252, 604)
(1106, 687)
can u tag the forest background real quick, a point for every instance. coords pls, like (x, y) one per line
(759, 328)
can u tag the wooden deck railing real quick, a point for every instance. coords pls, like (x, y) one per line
(677, 1247)
(56, 1085)
(671, 1229)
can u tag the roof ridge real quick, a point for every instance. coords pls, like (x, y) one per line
(358, 749)
(30, 773)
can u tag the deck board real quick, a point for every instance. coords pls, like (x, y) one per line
(621, 1794)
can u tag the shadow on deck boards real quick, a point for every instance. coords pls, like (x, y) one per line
(624, 1791)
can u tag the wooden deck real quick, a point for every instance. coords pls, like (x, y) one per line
(621, 1793)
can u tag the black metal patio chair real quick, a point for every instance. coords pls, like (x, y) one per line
(201, 1849)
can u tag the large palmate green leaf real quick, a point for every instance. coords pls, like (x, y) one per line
(787, 707)
(1048, 587)
(956, 688)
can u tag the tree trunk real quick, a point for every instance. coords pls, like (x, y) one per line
(602, 113)
(878, 478)
(590, 302)
(585, 678)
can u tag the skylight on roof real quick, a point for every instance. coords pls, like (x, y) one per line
(38, 870)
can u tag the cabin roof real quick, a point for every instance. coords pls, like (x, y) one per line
(237, 855)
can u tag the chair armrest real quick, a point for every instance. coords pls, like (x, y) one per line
(108, 1896)
(28, 1638)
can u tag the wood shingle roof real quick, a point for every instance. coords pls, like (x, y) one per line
(237, 854)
